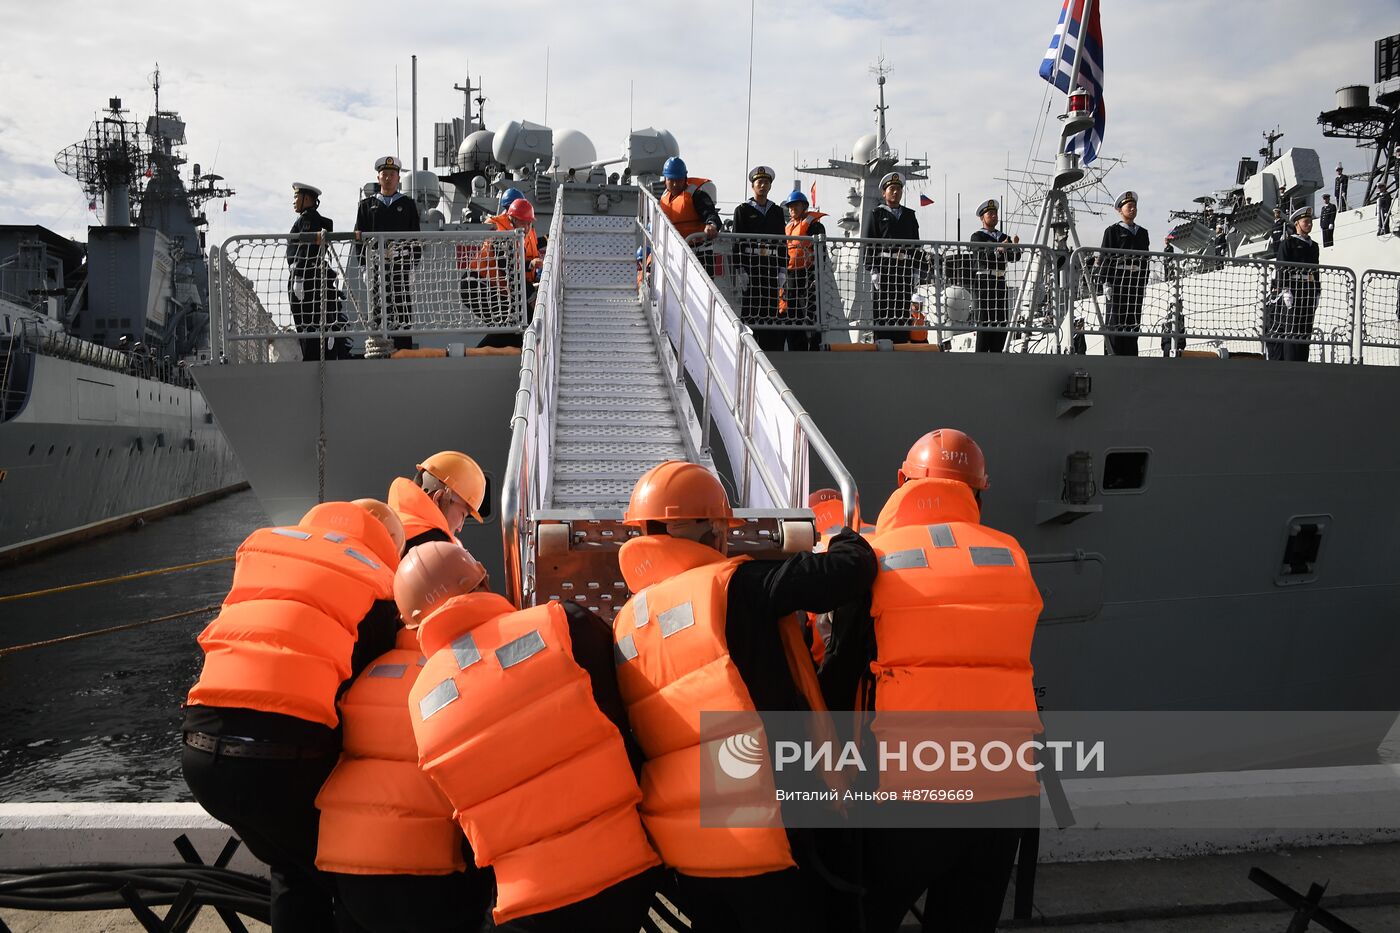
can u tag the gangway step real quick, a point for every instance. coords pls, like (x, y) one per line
(592, 416)
(615, 404)
(619, 450)
(603, 470)
(598, 431)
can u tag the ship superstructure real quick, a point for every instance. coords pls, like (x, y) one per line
(100, 422)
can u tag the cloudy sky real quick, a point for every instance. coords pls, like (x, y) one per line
(275, 92)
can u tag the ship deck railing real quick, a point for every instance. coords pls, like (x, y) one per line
(1380, 317)
(1200, 303)
(30, 336)
(439, 283)
(857, 290)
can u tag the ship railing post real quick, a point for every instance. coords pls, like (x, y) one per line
(1178, 303)
(940, 292)
(1075, 267)
(681, 322)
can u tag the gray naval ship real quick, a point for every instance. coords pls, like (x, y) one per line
(100, 422)
(1209, 530)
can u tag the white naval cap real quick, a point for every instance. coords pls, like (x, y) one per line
(309, 189)
(893, 178)
(1300, 214)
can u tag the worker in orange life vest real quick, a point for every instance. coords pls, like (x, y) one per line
(518, 720)
(689, 206)
(493, 272)
(703, 631)
(388, 837)
(448, 487)
(800, 290)
(952, 616)
(309, 608)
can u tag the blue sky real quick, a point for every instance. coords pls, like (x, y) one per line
(273, 94)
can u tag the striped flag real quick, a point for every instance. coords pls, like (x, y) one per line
(925, 200)
(1059, 63)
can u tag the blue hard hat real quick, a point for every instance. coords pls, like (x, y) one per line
(796, 197)
(641, 253)
(674, 168)
(510, 194)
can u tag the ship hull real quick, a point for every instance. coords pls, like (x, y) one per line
(92, 450)
(381, 418)
(1171, 597)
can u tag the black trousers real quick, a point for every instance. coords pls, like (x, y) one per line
(758, 305)
(1124, 315)
(1327, 236)
(621, 908)
(800, 292)
(775, 902)
(1294, 324)
(456, 903)
(892, 300)
(307, 314)
(271, 805)
(397, 298)
(993, 310)
(965, 871)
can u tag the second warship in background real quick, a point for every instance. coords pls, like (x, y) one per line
(1209, 532)
(100, 423)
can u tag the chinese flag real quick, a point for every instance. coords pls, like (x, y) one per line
(812, 195)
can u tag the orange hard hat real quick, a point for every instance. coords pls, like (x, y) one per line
(677, 490)
(387, 517)
(461, 474)
(431, 574)
(353, 522)
(522, 210)
(946, 454)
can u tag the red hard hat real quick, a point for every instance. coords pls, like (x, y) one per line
(431, 574)
(522, 210)
(677, 490)
(946, 454)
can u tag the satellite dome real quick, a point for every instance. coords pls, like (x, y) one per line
(475, 151)
(572, 149)
(864, 148)
(423, 187)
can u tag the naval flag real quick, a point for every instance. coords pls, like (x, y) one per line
(925, 200)
(1058, 66)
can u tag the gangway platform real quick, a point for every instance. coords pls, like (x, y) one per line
(628, 363)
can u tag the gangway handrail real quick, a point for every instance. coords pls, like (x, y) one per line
(662, 239)
(523, 461)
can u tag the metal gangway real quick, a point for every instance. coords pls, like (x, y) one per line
(628, 362)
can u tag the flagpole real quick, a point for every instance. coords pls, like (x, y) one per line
(1078, 48)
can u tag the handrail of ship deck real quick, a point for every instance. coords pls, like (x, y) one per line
(661, 238)
(369, 301)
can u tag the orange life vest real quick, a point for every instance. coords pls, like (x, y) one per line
(955, 609)
(801, 253)
(506, 724)
(417, 512)
(674, 663)
(283, 639)
(380, 814)
(681, 210)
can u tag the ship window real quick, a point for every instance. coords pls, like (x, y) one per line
(1124, 471)
(1302, 549)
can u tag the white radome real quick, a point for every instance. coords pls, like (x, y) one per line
(572, 149)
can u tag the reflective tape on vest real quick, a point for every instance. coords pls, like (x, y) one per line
(675, 619)
(465, 651)
(334, 537)
(904, 560)
(992, 557)
(639, 609)
(942, 536)
(387, 670)
(438, 698)
(291, 533)
(625, 650)
(362, 558)
(521, 649)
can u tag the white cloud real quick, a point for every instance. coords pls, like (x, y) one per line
(276, 93)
